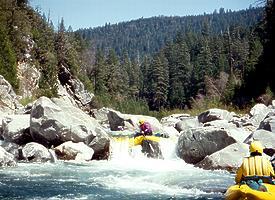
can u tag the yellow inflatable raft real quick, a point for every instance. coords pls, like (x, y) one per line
(241, 192)
(138, 140)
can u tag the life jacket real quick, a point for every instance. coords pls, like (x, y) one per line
(146, 128)
(254, 166)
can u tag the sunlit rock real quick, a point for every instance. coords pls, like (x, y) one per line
(229, 158)
(186, 123)
(267, 139)
(215, 114)
(8, 99)
(16, 128)
(258, 113)
(12, 148)
(28, 77)
(34, 152)
(74, 151)
(55, 121)
(171, 120)
(195, 144)
(130, 122)
(268, 123)
(6, 159)
(75, 89)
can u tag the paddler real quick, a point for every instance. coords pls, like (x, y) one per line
(255, 168)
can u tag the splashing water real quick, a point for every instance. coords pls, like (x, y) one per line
(127, 175)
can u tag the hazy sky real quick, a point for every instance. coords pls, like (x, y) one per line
(93, 13)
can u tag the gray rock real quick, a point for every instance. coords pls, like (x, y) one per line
(6, 159)
(55, 121)
(101, 145)
(258, 113)
(34, 152)
(267, 139)
(229, 158)
(195, 144)
(28, 77)
(8, 99)
(268, 123)
(16, 128)
(171, 120)
(186, 123)
(74, 151)
(215, 114)
(101, 115)
(12, 148)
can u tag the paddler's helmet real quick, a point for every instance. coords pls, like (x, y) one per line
(141, 121)
(256, 146)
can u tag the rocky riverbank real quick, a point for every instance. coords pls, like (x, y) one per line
(58, 128)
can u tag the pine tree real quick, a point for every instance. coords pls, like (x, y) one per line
(179, 73)
(113, 74)
(60, 44)
(159, 81)
(134, 79)
(100, 74)
(126, 67)
(144, 78)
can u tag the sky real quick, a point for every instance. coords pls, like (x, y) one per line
(94, 13)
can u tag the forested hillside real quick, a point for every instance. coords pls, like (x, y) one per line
(210, 60)
(27, 36)
(225, 58)
(147, 36)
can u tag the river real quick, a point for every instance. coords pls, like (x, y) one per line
(127, 175)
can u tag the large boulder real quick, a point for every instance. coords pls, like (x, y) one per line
(195, 144)
(215, 114)
(268, 123)
(6, 159)
(151, 149)
(258, 113)
(100, 144)
(229, 158)
(34, 152)
(171, 120)
(16, 128)
(74, 151)
(55, 121)
(267, 139)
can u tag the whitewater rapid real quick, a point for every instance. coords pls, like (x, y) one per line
(127, 175)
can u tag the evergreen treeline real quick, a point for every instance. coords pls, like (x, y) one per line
(190, 66)
(167, 62)
(147, 36)
(194, 67)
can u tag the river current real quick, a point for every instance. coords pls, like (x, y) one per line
(127, 175)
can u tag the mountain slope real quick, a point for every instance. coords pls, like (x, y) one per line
(147, 36)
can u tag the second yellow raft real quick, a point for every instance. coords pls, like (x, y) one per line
(241, 192)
